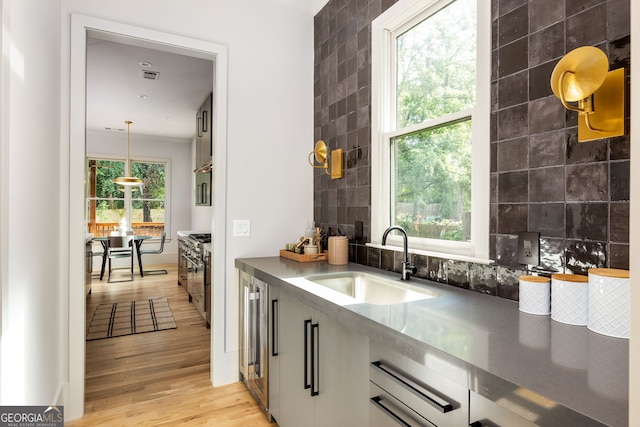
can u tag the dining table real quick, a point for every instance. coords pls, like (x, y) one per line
(137, 240)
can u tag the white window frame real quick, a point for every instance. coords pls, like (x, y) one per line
(128, 199)
(384, 30)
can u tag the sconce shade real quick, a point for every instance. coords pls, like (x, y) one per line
(582, 77)
(584, 70)
(319, 153)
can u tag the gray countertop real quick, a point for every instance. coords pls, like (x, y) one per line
(548, 369)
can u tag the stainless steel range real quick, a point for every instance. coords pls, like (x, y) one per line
(192, 269)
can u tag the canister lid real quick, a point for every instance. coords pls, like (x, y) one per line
(535, 279)
(610, 272)
(338, 237)
(578, 278)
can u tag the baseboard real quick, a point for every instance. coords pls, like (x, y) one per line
(61, 394)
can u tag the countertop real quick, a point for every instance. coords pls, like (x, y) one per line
(553, 370)
(185, 233)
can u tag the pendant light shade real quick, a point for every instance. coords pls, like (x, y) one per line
(128, 181)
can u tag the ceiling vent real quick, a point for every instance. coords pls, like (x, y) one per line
(150, 75)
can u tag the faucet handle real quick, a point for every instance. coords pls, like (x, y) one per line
(408, 270)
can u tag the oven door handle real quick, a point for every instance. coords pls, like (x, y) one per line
(190, 261)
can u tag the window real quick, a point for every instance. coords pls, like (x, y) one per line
(430, 124)
(107, 203)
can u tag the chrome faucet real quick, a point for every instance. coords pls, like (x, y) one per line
(407, 268)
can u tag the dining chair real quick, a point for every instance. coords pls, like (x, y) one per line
(102, 253)
(154, 252)
(119, 247)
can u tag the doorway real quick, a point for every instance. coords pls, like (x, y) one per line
(81, 28)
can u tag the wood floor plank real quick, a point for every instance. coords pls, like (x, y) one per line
(158, 378)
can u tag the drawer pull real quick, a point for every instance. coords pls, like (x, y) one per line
(377, 402)
(315, 359)
(307, 324)
(431, 398)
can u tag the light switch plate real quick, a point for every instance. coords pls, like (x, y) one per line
(528, 248)
(241, 228)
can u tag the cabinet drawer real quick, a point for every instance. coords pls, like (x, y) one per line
(485, 413)
(423, 391)
(387, 411)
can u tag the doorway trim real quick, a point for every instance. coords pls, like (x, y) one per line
(80, 26)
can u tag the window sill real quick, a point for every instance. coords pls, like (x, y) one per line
(434, 254)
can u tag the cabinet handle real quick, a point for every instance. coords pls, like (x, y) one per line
(203, 192)
(483, 423)
(377, 402)
(306, 354)
(205, 128)
(432, 399)
(315, 360)
(274, 330)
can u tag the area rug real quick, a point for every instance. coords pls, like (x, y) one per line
(134, 317)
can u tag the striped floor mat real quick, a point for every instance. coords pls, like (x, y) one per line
(134, 317)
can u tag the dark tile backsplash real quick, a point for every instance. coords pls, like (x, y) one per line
(575, 194)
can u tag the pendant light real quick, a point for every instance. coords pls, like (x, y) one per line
(128, 181)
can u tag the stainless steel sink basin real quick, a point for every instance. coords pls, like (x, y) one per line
(371, 288)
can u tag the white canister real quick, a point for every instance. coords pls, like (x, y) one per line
(338, 250)
(609, 302)
(570, 299)
(535, 294)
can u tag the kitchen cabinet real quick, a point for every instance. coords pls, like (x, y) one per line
(468, 349)
(203, 134)
(485, 413)
(415, 391)
(325, 380)
(203, 151)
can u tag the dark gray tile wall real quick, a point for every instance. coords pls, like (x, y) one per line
(575, 194)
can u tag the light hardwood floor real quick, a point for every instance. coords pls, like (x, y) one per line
(158, 378)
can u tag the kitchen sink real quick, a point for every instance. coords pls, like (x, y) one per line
(371, 288)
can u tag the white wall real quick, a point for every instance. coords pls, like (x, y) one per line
(180, 186)
(269, 128)
(32, 357)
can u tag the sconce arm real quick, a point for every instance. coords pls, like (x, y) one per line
(324, 165)
(565, 103)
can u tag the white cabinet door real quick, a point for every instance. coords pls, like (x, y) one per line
(323, 369)
(343, 384)
(296, 404)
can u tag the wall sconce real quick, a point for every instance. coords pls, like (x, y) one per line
(320, 154)
(583, 77)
